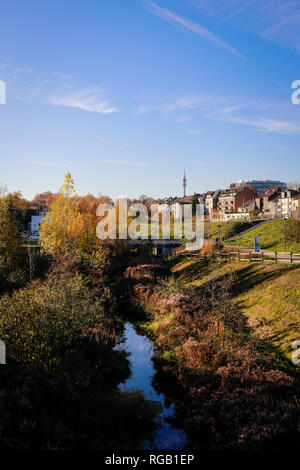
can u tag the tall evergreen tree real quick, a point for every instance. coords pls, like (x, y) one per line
(195, 201)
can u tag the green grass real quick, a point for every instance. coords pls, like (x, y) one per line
(268, 294)
(271, 238)
(211, 229)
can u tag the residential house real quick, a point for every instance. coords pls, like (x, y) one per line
(34, 224)
(248, 206)
(267, 202)
(211, 201)
(230, 200)
(177, 205)
(296, 206)
(285, 203)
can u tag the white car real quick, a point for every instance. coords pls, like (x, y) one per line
(34, 235)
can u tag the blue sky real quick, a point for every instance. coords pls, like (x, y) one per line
(125, 93)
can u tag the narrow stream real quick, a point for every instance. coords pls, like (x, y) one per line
(141, 351)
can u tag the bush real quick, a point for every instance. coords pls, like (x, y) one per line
(40, 323)
(59, 389)
(40, 411)
(228, 394)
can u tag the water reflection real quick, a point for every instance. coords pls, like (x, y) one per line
(141, 351)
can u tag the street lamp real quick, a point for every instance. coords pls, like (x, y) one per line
(285, 234)
(219, 236)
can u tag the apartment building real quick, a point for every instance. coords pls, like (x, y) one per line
(259, 186)
(267, 202)
(230, 200)
(285, 203)
(296, 206)
(211, 202)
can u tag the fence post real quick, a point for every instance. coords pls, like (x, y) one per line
(239, 256)
(291, 257)
(262, 256)
(275, 256)
(249, 255)
(229, 256)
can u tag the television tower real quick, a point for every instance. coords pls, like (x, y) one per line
(184, 183)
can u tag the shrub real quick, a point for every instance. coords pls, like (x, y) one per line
(59, 389)
(228, 395)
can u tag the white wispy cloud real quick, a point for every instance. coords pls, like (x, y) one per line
(40, 86)
(273, 20)
(280, 118)
(188, 25)
(183, 105)
(89, 99)
(189, 102)
(123, 162)
(269, 125)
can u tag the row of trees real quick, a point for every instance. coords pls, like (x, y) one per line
(69, 226)
(61, 325)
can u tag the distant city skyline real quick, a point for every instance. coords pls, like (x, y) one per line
(124, 95)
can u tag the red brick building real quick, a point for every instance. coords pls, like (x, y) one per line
(230, 200)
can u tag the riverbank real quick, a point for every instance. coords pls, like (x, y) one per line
(268, 295)
(228, 393)
(60, 387)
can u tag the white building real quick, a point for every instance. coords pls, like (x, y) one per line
(285, 203)
(177, 206)
(296, 206)
(35, 223)
(211, 200)
(235, 215)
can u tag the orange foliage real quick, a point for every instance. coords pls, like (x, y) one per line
(44, 199)
(87, 206)
(19, 201)
(209, 247)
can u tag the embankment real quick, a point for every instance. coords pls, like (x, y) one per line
(229, 394)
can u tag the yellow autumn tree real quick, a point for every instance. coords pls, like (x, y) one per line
(63, 226)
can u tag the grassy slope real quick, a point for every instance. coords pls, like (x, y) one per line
(211, 229)
(268, 294)
(271, 238)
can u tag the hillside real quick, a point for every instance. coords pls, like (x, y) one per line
(268, 294)
(226, 229)
(271, 238)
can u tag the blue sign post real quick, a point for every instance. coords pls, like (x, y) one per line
(256, 244)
